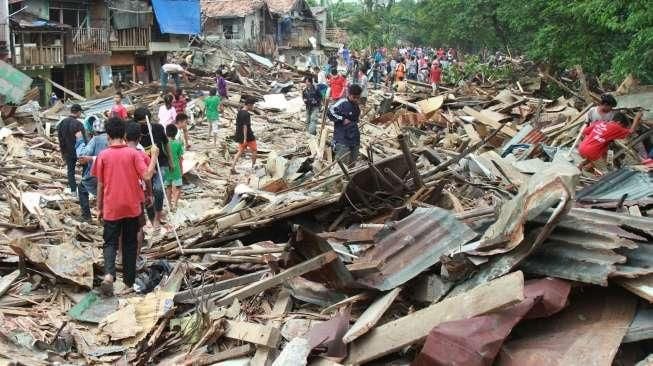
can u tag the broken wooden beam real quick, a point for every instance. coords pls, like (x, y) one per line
(371, 316)
(253, 333)
(412, 328)
(262, 285)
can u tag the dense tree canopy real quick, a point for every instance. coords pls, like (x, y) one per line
(607, 37)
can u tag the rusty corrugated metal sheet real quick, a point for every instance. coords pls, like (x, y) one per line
(413, 245)
(534, 137)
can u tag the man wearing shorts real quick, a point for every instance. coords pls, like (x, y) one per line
(244, 134)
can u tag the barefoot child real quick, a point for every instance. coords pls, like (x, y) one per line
(173, 178)
(213, 107)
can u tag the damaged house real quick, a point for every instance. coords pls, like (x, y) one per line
(246, 25)
(297, 29)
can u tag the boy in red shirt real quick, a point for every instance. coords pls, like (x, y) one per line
(119, 170)
(599, 134)
(436, 76)
(338, 84)
(118, 110)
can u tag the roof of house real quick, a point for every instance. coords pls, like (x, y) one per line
(281, 6)
(230, 8)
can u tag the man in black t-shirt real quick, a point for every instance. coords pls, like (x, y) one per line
(69, 130)
(244, 134)
(155, 211)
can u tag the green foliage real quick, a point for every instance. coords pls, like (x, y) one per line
(610, 38)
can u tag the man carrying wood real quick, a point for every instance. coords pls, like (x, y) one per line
(174, 71)
(69, 130)
(346, 135)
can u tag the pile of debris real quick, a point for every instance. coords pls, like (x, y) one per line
(466, 220)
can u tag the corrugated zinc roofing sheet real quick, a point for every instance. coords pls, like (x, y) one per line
(415, 244)
(626, 181)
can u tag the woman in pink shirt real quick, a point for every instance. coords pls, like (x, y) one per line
(167, 112)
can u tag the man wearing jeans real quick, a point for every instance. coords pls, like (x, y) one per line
(70, 129)
(86, 153)
(312, 101)
(119, 170)
(346, 135)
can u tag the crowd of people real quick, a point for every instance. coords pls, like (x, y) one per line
(134, 166)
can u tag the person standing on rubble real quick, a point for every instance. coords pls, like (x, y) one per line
(602, 112)
(244, 134)
(69, 130)
(338, 85)
(173, 179)
(412, 68)
(118, 110)
(119, 170)
(87, 152)
(132, 138)
(173, 71)
(179, 101)
(221, 84)
(312, 101)
(322, 82)
(346, 135)
(167, 111)
(155, 211)
(435, 76)
(213, 108)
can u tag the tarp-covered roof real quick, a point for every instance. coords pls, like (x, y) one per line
(27, 20)
(230, 8)
(178, 16)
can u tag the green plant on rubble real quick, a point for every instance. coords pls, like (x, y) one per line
(473, 66)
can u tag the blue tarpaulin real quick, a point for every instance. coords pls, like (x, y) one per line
(178, 16)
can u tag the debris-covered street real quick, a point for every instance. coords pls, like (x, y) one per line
(474, 226)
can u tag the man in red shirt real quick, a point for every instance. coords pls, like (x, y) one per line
(119, 170)
(338, 84)
(599, 134)
(118, 110)
(436, 76)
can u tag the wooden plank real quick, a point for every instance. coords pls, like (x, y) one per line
(488, 121)
(588, 332)
(228, 354)
(412, 328)
(641, 286)
(191, 296)
(253, 333)
(64, 89)
(264, 355)
(260, 286)
(371, 316)
(8, 280)
(474, 137)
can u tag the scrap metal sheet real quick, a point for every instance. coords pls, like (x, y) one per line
(415, 244)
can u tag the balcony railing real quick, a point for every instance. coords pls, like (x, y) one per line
(89, 41)
(130, 39)
(337, 35)
(33, 55)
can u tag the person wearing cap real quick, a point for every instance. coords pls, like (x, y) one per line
(69, 130)
(602, 112)
(173, 71)
(346, 135)
(86, 153)
(244, 134)
(312, 100)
